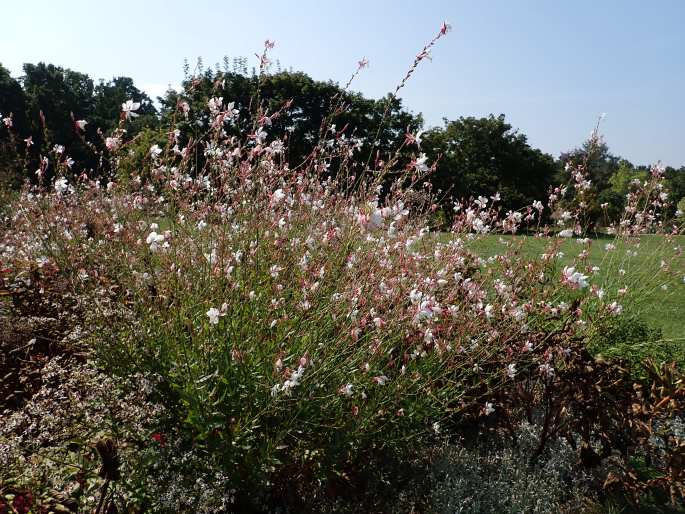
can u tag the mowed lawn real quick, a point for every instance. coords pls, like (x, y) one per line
(656, 296)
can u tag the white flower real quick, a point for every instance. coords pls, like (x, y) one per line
(481, 202)
(278, 195)
(573, 278)
(277, 146)
(380, 380)
(81, 124)
(615, 308)
(546, 370)
(231, 110)
(260, 135)
(566, 233)
(213, 314)
(489, 408)
(214, 105)
(427, 310)
(155, 150)
(346, 390)
(201, 224)
(415, 296)
(129, 107)
(420, 163)
(511, 370)
(61, 185)
(154, 240)
(293, 381)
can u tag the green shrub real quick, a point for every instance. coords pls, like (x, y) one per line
(491, 475)
(634, 341)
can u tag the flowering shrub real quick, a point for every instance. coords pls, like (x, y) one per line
(301, 323)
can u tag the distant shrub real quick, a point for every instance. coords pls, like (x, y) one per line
(632, 340)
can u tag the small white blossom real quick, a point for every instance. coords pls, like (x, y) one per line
(511, 370)
(155, 240)
(546, 370)
(615, 308)
(61, 185)
(213, 314)
(574, 278)
(129, 108)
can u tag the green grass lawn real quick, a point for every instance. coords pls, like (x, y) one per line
(661, 308)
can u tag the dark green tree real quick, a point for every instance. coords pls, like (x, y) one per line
(599, 162)
(313, 105)
(485, 156)
(56, 98)
(675, 185)
(108, 98)
(12, 106)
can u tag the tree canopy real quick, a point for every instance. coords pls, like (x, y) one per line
(485, 156)
(471, 156)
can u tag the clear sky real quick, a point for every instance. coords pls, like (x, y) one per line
(551, 66)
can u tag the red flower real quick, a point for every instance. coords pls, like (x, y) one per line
(22, 503)
(160, 438)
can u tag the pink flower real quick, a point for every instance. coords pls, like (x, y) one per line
(380, 380)
(112, 143)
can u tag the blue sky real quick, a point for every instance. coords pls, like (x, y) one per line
(552, 67)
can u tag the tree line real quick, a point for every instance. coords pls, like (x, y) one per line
(471, 156)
